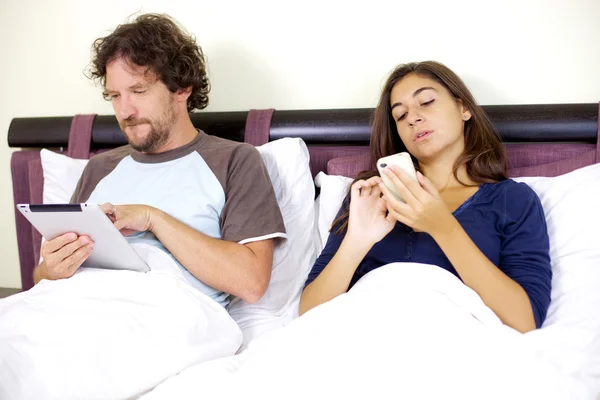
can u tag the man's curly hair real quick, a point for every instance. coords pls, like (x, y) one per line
(155, 41)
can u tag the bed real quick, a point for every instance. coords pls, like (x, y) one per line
(553, 147)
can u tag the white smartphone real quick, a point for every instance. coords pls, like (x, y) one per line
(111, 249)
(401, 160)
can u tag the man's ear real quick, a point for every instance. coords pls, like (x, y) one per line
(182, 94)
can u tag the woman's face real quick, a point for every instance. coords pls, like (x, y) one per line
(429, 119)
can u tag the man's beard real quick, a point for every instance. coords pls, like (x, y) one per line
(160, 131)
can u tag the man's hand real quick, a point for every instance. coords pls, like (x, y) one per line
(63, 255)
(131, 218)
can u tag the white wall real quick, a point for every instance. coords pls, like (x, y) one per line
(293, 55)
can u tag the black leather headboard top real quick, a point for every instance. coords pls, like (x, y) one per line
(515, 123)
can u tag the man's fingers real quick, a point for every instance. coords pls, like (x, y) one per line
(107, 208)
(122, 224)
(59, 268)
(75, 260)
(58, 242)
(72, 247)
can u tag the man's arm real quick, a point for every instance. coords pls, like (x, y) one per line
(243, 270)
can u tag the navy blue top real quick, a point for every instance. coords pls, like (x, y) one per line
(506, 222)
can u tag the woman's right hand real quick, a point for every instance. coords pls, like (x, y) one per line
(368, 220)
(367, 225)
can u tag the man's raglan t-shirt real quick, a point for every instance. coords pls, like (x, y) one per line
(216, 186)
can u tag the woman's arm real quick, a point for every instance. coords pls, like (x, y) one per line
(505, 295)
(367, 225)
(335, 278)
(499, 292)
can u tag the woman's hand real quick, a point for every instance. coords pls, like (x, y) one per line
(368, 220)
(368, 223)
(424, 209)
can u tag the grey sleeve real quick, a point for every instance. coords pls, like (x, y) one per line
(251, 210)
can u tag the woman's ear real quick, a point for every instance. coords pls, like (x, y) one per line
(466, 114)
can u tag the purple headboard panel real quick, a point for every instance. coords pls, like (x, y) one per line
(22, 194)
(525, 159)
(541, 140)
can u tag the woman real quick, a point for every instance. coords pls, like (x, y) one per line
(463, 214)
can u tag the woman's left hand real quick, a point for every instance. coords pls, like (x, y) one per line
(423, 209)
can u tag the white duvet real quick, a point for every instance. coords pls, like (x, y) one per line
(405, 331)
(108, 334)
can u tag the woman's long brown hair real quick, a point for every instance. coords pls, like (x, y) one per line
(484, 155)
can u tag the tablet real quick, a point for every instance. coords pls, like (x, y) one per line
(111, 249)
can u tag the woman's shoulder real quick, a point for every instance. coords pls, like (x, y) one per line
(515, 198)
(512, 190)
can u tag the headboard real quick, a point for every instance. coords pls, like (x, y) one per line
(541, 140)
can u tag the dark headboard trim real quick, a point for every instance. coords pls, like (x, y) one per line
(515, 123)
(40, 132)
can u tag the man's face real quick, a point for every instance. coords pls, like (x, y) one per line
(144, 106)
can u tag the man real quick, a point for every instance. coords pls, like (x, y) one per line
(201, 209)
(208, 202)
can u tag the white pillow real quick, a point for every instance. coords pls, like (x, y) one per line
(287, 162)
(61, 174)
(333, 191)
